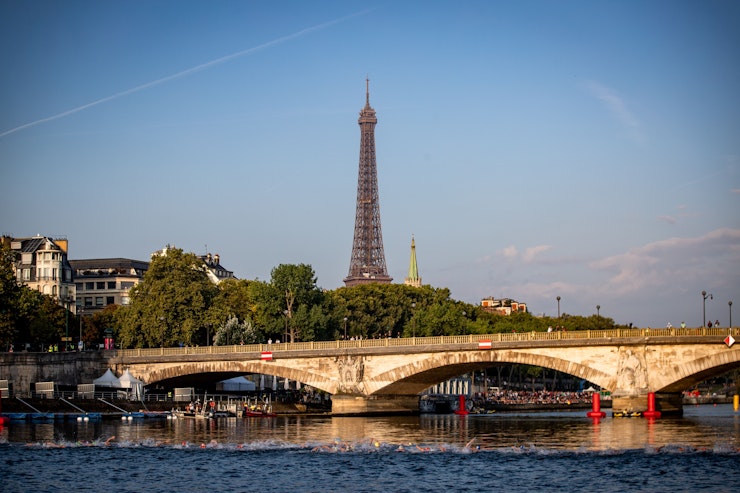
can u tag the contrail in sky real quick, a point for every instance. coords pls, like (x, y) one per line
(189, 71)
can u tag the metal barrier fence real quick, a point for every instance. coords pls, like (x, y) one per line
(583, 335)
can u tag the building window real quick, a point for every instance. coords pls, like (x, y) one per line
(125, 300)
(26, 274)
(127, 284)
(109, 300)
(101, 285)
(111, 284)
(79, 286)
(88, 301)
(89, 286)
(98, 301)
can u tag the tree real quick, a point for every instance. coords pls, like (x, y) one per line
(10, 292)
(296, 286)
(170, 305)
(235, 332)
(40, 321)
(93, 326)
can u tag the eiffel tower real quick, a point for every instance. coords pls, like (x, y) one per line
(368, 258)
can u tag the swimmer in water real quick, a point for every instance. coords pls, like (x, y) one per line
(468, 446)
(107, 442)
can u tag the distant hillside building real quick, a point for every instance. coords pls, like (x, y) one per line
(106, 281)
(41, 263)
(413, 279)
(504, 306)
(214, 270)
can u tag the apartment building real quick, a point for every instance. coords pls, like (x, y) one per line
(41, 263)
(504, 306)
(107, 281)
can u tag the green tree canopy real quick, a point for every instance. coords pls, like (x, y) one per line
(170, 306)
(294, 291)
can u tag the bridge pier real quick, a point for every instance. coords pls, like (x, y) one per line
(361, 405)
(670, 404)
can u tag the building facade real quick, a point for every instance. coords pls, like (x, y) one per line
(215, 271)
(41, 263)
(504, 306)
(107, 281)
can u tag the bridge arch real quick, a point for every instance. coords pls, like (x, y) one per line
(419, 375)
(153, 374)
(691, 373)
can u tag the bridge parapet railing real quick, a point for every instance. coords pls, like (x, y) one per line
(579, 335)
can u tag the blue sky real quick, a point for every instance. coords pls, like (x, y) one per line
(582, 149)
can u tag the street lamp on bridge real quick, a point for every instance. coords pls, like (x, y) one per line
(285, 336)
(704, 296)
(345, 328)
(729, 303)
(558, 298)
(413, 320)
(598, 307)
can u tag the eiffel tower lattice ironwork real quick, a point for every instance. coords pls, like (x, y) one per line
(368, 258)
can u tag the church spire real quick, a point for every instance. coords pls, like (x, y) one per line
(413, 279)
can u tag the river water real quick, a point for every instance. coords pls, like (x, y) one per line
(525, 452)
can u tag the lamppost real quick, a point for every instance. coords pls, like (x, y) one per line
(558, 298)
(704, 297)
(345, 328)
(161, 320)
(413, 320)
(79, 313)
(598, 307)
(464, 314)
(66, 325)
(729, 303)
(285, 336)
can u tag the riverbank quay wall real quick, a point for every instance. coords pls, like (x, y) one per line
(381, 376)
(22, 369)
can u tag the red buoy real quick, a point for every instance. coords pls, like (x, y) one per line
(461, 409)
(3, 419)
(651, 412)
(596, 411)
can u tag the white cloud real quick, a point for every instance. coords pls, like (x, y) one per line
(672, 262)
(528, 256)
(510, 252)
(616, 106)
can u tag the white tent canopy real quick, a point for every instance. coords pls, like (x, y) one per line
(128, 381)
(108, 379)
(236, 384)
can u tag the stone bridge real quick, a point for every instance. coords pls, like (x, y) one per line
(387, 375)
